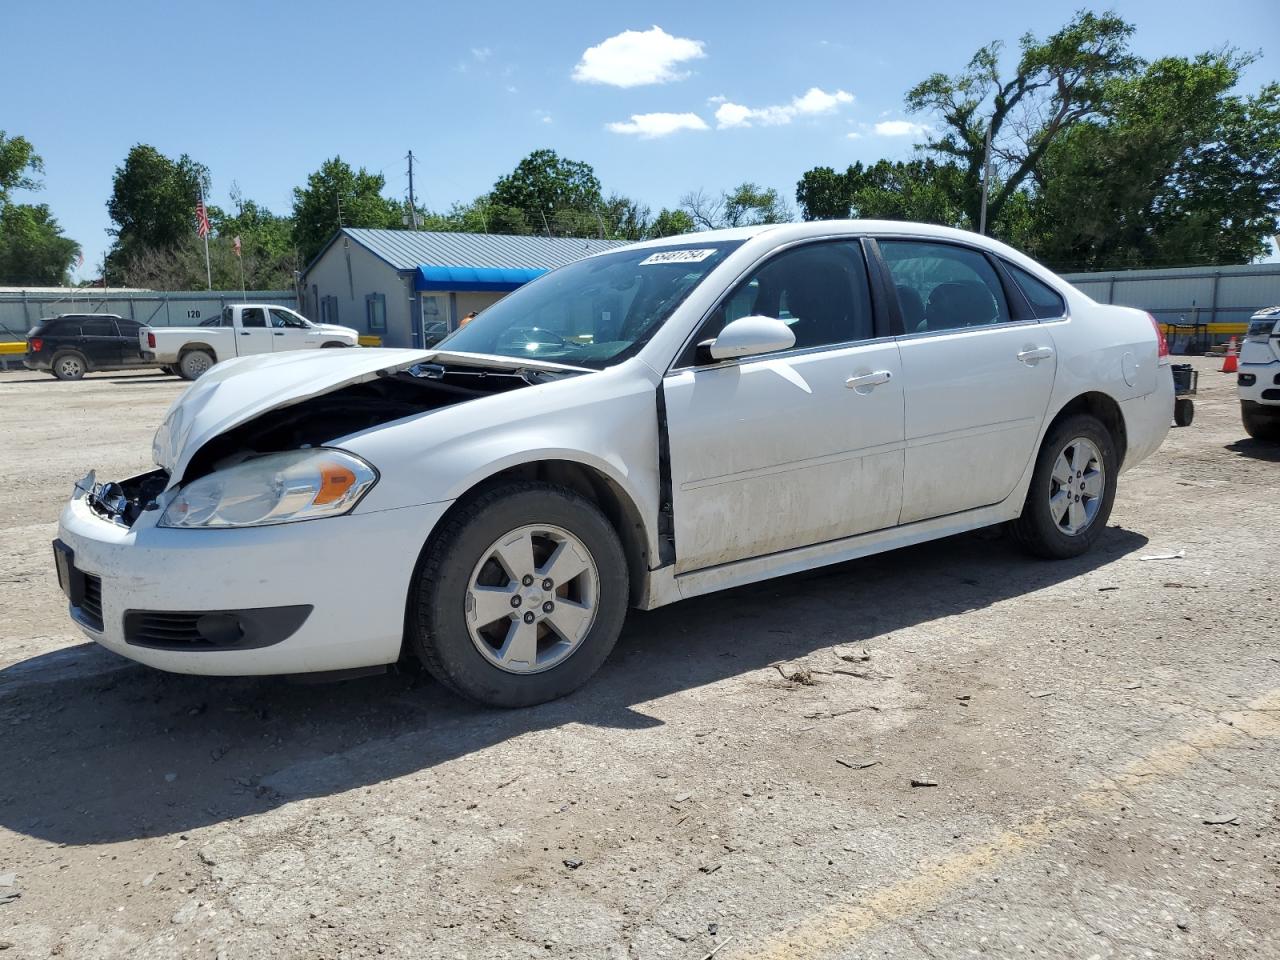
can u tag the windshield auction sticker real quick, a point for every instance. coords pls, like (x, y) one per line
(676, 256)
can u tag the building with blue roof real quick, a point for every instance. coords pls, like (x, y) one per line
(408, 288)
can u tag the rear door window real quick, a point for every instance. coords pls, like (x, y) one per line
(1046, 302)
(98, 327)
(941, 286)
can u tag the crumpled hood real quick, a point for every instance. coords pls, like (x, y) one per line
(238, 390)
(242, 388)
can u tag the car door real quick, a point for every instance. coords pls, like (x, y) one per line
(290, 332)
(100, 342)
(789, 449)
(977, 376)
(254, 335)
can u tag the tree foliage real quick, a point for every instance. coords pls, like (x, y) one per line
(549, 189)
(337, 196)
(746, 205)
(33, 251)
(1180, 171)
(1057, 83)
(153, 203)
(922, 190)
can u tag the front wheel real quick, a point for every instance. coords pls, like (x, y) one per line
(1071, 491)
(194, 363)
(520, 596)
(1260, 422)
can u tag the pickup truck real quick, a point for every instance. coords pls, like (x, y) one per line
(243, 329)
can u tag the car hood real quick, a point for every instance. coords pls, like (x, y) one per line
(238, 390)
(336, 330)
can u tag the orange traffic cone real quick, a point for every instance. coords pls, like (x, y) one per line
(1229, 363)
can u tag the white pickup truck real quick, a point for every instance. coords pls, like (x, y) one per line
(243, 329)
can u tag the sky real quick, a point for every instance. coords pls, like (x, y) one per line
(660, 98)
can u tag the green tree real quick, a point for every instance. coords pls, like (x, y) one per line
(267, 253)
(745, 205)
(336, 195)
(551, 193)
(33, 250)
(153, 203)
(1181, 171)
(1056, 84)
(671, 223)
(922, 190)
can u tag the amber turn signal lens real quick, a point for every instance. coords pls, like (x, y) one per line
(335, 481)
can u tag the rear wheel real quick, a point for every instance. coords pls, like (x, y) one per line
(520, 597)
(1260, 422)
(69, 366)
(1071, 491)
(194, 363)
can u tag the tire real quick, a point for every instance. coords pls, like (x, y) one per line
(1260, 422)
(69, 366)
(451, 641)
(331, 344)
(194, 363)
(1038, 530)
(1184, 411)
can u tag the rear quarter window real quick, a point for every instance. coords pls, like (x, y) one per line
(1046, 303)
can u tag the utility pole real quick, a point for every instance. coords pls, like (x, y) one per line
(413, 206)
(986, 179)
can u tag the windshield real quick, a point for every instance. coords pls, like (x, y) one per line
(595, 312)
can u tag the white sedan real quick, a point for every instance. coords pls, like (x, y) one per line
(643, 426)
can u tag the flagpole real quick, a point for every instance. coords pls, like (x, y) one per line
(208, 270)
(240, 257)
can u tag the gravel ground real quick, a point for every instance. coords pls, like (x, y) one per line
(1096, 745)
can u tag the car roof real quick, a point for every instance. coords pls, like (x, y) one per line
(84, 316)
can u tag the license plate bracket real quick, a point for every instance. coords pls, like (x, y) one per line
(70, 579)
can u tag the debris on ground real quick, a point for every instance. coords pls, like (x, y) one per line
(862, 656)
(1222, 821)
(573, 863)
(921, 782)
(1041, 694)
(719, 946)
(856, 764)
(801, 675)
(1165, 556)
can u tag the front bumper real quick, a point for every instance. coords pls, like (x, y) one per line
(1259, 382)
(354, 570)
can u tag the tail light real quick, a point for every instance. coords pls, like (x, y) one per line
(36, 344)
(151, 340)
(1162, 345)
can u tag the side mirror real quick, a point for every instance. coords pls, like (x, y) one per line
(748, 337)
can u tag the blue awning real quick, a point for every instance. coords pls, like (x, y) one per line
(475, 279)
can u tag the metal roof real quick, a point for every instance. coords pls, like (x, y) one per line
(410, 249)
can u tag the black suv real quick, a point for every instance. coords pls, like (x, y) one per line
(74, 344)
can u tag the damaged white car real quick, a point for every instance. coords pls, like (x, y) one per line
(645, 425)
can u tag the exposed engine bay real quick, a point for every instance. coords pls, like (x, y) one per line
(316, 421)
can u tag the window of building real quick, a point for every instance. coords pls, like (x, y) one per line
(1046, 302)
(329, 310)
(375, 305)
(943, 287)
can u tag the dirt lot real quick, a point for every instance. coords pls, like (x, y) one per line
(1100, 739)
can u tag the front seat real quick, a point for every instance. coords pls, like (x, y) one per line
(958, 304)
(912, 309)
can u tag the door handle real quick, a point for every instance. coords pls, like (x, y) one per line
(245, 333)
(868, 380)
(279, 334)
(1032, 356)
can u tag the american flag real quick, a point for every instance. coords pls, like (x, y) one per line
(236, 244)
(202, 219)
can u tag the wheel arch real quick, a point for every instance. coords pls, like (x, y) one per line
(1105, 409)
(197, 345)
(73, 351)
(618, 506)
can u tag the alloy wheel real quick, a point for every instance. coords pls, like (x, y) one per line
(1076, 486)
(532, 599)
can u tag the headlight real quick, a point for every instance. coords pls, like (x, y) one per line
(278, 488)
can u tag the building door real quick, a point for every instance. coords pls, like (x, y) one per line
(435, 317)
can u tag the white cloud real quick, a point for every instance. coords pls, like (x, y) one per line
(650, 125)
(901, 128)
(481, 53)
(813, 102)
(819, 101)
(853, 135)
(634, 58)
